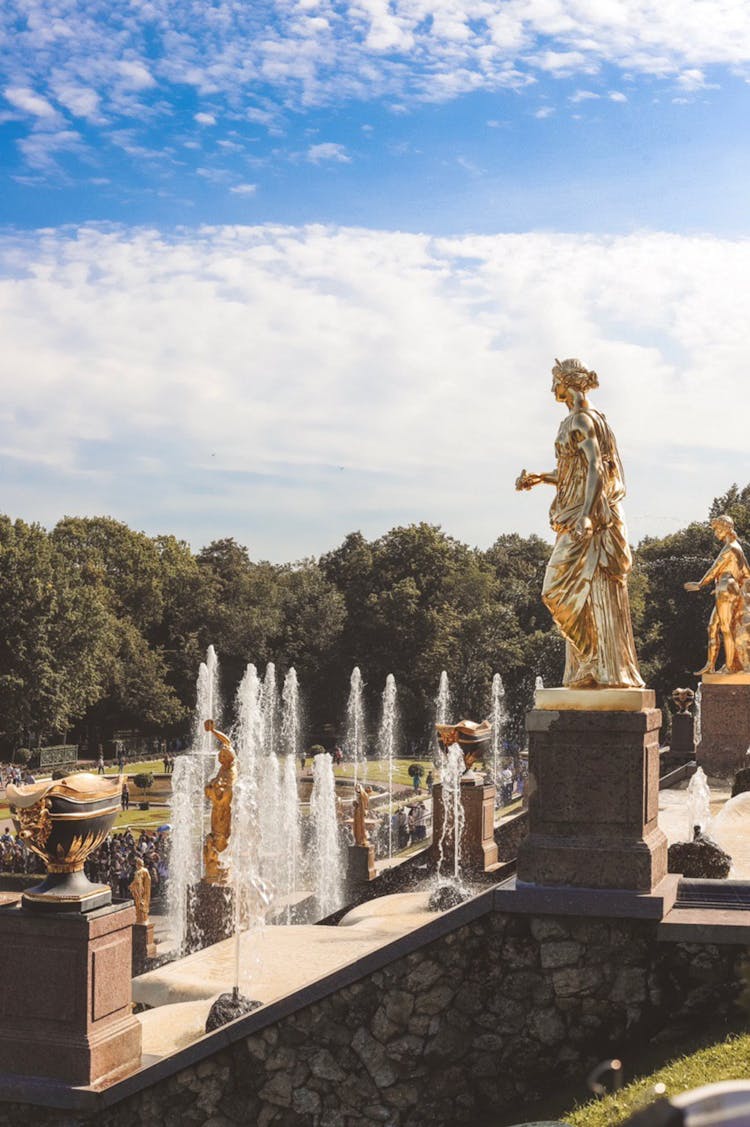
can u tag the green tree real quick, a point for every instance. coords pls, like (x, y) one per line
(55, 637)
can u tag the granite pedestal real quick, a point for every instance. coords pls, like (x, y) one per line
(725, 723)
(360, 867)
(593, 796)
(144, 947)
(478, 849)
(66, 999)
(210, 915)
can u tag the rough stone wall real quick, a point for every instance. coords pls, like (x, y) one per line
(510, 834)
(492, 1013)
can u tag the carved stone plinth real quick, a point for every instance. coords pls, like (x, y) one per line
(725, 724)
(144, 947)
(360, 865)
(478, 850)
(593, 800)
(682, 741)
(67, 1012)
(210, 914)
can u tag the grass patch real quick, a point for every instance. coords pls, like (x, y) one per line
(727, 1060)
(141, 819)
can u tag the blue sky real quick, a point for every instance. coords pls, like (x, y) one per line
(238, 214)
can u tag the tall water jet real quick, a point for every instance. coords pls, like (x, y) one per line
(270, 710)
(289, 811)
(697, 733)
(498, 716)
(387, 736)
(249, 737)
(188, 808)
(539, 682)
(442, 713)
(453, 811)
(327, 865)
(355, 725)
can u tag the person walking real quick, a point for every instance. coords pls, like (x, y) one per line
(100, 763)
(125, 796)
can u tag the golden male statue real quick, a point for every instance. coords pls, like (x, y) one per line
(219, 792)
(585, 584)
(140, 890)
(730, 620)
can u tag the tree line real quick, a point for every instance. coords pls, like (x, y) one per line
(102, 628)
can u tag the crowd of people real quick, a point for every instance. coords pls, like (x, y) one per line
(113, 863)
(16, 857)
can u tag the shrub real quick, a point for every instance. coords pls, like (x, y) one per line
(316, 749)
(416, 769)
(144, 781)
(22, 755)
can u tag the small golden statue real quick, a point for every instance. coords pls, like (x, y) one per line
(730, 619)
(585, 584)
(360, 809)
(219, 793)
(140, 890)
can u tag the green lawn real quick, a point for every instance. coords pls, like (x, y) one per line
(376, 770)
(141, 819)
(726, 1060)
(150, 766)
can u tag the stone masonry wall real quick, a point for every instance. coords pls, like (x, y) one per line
(489, 1014)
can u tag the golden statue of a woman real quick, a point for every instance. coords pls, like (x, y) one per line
(585, 584)
(140, 890)
(219, 792)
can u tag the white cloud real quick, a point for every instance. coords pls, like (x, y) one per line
(41, 149)
(272, 57)
(29, 102)
(617, 96)
(544, 111)
(244, 189)
(584, 96)
(205, 118)
(319, 348)
(82, 101)
(328, 150)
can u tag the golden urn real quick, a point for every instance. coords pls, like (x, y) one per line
(63, 821)
(474, 739)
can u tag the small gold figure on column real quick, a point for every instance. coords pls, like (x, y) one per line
(140, 890)
(729, 572)
(219, 793)
(360, 810)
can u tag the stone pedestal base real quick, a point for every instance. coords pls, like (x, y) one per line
(725, 724)
(144, 947)
(210, 915)
(681, 744)
(67, 1012)
(360, 865)
(593, 801)
(478, 849)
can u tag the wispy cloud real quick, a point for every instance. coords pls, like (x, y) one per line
(318, 348)
(244, 189)
(328, 151)
(29, 102)
(260, 60)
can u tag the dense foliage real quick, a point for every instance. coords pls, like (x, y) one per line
(102, 628)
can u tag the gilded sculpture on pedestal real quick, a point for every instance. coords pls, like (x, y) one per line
(585, 584)
(219, 792)
(360, 808)
(730, 619)
(140, 890)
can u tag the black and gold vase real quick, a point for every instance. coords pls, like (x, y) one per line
(474, 739)
(63, 821)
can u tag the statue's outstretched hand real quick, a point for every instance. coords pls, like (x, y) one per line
(692, 586)
(527, 480)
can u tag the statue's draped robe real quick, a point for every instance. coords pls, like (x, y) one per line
(585, 584)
